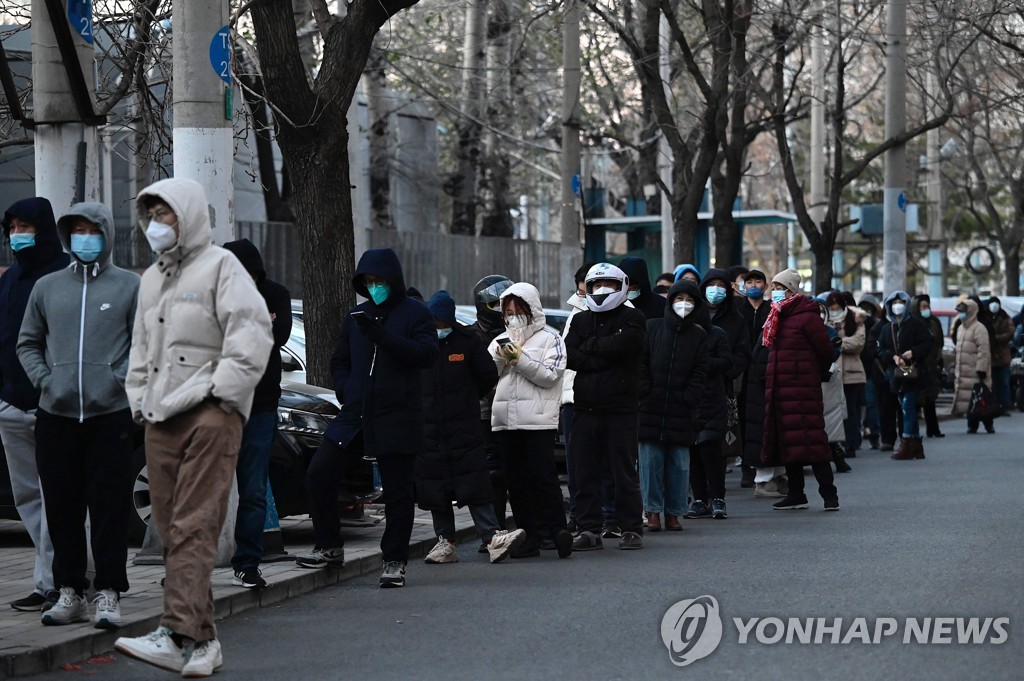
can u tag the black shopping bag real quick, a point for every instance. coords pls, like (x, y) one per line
(983, 403)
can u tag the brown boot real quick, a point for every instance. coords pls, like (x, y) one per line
(918, 452)
(653, 522)
(905, 451)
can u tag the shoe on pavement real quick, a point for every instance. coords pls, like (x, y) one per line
(33, 602)
(672, 523)
(443, 552)
(718, 511)
(886, 447)
(70, 608)
(747, 481)
(206, 659)
(107, 605)
(321, 558)
(698, 509)
(790, 504)
(503, 543)
(393, 575)
(156, 648)
(768, 490)
(529, 547)
(631, 541)
(832, 504)
(653, 521)
(587, 541)
(563, 543)
(611, 532)
(249, 578)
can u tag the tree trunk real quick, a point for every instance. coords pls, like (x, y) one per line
(379, 112)
(276, 207)
(463, 184)
(497, 220)
(1011, 259)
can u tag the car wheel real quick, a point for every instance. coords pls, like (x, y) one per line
(142, 507)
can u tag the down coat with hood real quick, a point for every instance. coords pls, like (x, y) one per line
(973, 354)
(202, 330)
(30, 264)
(529, 392)
(728, 319)
(378, 383)
(1002, 334)
(852, 346)
(648, 302)
(794, 421)
(279, 304)
(933, 387)
(713, 409)
(899, 334)
(77, 332)
(675, 366)
(453, 465)
(753, 416)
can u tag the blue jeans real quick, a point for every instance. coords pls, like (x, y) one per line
(664, 477)
(908, 405)
(1001, 386)
(253, 462)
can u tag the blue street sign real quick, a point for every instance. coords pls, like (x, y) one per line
(576, 184)
(220, 54)
(901, 201)
(80, 16)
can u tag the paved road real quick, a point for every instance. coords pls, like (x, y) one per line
(933, 538)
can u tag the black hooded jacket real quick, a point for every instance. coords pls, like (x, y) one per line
(378, 383)
(279, 303)
(605, 350)
(736, 327)
(675, 367)
(712, 417)
(16, 284)
(648, 302)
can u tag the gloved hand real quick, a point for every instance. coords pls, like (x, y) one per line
(982, 375)
(371, 328)
(510, 352)
(836, 341)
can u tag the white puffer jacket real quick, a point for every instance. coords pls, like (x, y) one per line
(578, 305)
(528, 392)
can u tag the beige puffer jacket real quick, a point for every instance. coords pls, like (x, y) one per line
(202, 330)
(973, 354)
(529, 392)
(849, 358)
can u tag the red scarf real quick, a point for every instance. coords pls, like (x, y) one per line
(771, 325)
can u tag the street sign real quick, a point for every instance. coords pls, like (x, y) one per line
(901, 201)
(576, 186)
(220, 54)
(80, 16)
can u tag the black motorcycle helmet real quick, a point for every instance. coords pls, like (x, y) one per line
(487, 298)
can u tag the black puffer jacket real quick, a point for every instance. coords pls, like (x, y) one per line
(906, 334)
(712, 412)
(648, 302)
(675, 367)
(453, 466)
(605, 350)
(736, 327)
(753, 418)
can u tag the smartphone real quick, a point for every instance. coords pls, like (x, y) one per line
(358, 313)
(504, 341)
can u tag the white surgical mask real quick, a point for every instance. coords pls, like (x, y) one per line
(682, 308)
(898, 309)
(161, 237)
(443, 333)
(604, 290)
(519, 321)
(993, 307)
(926, 313)
(837, 315)
(633, 295)
(778, 296)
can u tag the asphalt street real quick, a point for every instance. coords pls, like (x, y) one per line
(920, 539)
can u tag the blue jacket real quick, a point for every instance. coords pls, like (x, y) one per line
(378, 383)
(15, 287)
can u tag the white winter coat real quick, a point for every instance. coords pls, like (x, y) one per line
(528, 392)
(578, 305)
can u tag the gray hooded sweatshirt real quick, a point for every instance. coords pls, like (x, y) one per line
(77, 332)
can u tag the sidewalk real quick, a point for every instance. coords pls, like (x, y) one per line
(27, 647)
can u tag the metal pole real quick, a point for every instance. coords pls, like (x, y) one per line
(203, 145)
(571, 142)
(668, 256)
(936, 263)
(894, 218)
(817, 150)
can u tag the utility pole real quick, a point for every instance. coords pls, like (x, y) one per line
(66, 141)
(203, 107)
(817, 151)
(668, 256)
(894, 217)
(571, 179)
(936, 237)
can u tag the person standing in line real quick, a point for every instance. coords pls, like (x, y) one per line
(258, 434)
(800, 354)
(640, 294)
(453, 466)
(675, 366)
(973, 363)
(605, 347)
(737, 278)
(848, 324)
(1002, 353)
(530, 359)
(688, 272)
(755, 312)
(905, 342)
(874, 387)
(577, 302)
(200, 344)
(74, 345)
(30, 228)
(921, 308)
(385, 344)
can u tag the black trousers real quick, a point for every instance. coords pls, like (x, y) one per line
(822, 473)
(890, 416)
(84, 467)
(498, 486)
(331, 465)
(931, 418)
(707, 471)
(528, 457)
(606, 441)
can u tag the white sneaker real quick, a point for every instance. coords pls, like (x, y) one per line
(70, 607)
(768, 490)
(108, 609)
(206, 659)
(156, 648)
(443, 552)
(503, 542)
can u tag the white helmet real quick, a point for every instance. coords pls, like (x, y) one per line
(605, 301)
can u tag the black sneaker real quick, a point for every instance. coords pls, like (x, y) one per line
(698, 509)
(747, 481)
(718, 509)
(563, 543)
(31, 603)
(611, 532)
(631, 541)
(790, 504)
(547, 545)
(832, 504)
(249, 578)
(393, 575)
(482, 548)
(529, 548)
(587, 541)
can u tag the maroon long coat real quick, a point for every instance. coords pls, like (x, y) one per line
(794, 421)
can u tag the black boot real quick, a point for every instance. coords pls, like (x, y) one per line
(839, 459)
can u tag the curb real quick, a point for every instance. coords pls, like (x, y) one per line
(84, 642)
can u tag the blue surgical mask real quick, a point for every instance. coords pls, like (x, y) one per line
(443, 333)
(715, 294)
(87, 246)
(962, 316)
(633, 295)
(778, 296)
(926, 313)
(378, 292)
(20, 242)
(754, 292)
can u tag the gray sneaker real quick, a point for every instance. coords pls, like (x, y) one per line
(107, 605)
(70, 608)
(321, 558)
(503, 543)
(393, 575)
(631, 541)
(587, 541)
